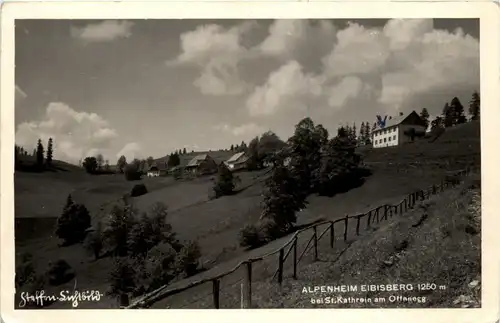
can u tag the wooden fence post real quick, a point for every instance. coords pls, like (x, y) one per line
(216, 292)
(433, 189)
(295, 258)
(248, 283)
(315, 243)
(357, 224)
(332, 235)
(280, 266)
(345, 229)
(386, 212)
(369, 219)
(396, 209)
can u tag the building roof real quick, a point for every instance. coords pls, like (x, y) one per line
(197, 160)
(394, 121)
(235, 157)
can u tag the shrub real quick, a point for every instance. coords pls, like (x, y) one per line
(138, 190)
(122, 279)
(94, 241)
(188, 258)
(73, 222)
(159, 267)
(59, 272)
(132, 172)
(250, 237)
(25, 271)
(270, 230)
(225, 184)
(117, 232)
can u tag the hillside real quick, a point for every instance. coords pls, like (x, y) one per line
(215, 223)
(456, 147)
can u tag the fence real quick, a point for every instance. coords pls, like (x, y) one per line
(363, 220)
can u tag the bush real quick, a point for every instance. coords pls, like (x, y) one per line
(250, 237)
(188, 258)
(73, 222)
(132, 172)
(225, 184)
(138, 190)
(25, 271)
(269, 230)
(59, 272)
(122, 279)
(159, 267)
(94, 241)
(122, 219)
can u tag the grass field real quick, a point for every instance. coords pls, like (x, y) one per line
(215, 223)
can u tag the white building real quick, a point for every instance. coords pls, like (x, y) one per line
(398, 130)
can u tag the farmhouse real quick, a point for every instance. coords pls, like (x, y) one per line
(237, 161)
(157, 169)
(398, 130)
(201, 164)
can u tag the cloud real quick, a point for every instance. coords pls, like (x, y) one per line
(130, 151)
(104, 31)
(75, 134)
(404, 66)
(298, 38)
(216, 51)
(244, 130)
(282, 88)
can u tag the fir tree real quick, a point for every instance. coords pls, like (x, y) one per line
(457, 111)
(424, 115)
(447, 116)
(39, 153)
(50, 152)
(475, 106)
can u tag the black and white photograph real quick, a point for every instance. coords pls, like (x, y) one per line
(248, 163)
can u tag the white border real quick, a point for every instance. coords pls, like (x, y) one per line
(490, 139)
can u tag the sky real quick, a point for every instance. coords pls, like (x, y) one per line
(144, 88)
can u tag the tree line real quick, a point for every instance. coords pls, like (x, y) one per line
(43, 158)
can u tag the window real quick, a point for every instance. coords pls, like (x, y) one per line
(389, 139)
(385, 139)
(375, 142)
(394, 137)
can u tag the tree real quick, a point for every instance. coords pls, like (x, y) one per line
(122, 279)
(50, 152)
(282, 199)
(174, 160)
(424, 115)
(150, 161)
(106, 165)
(184, 151)
(100, 161)
(475, 106)
(437, 123)
(305, 152)
(339, 168)
(122, 161)
(447, 116)
(225, 181)
(132, 172)
(90, 164)
(269, 144)
(73, 222)
(232, 148)
(39, 153)
(457, 111)
(122, 219)
(254, 159)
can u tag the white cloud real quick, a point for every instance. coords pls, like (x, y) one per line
(104, 31)
(217, 51)
(74, 133)
(283, 87)
(244, 130)
(130, 151)
(286, 36)
(404, 66)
